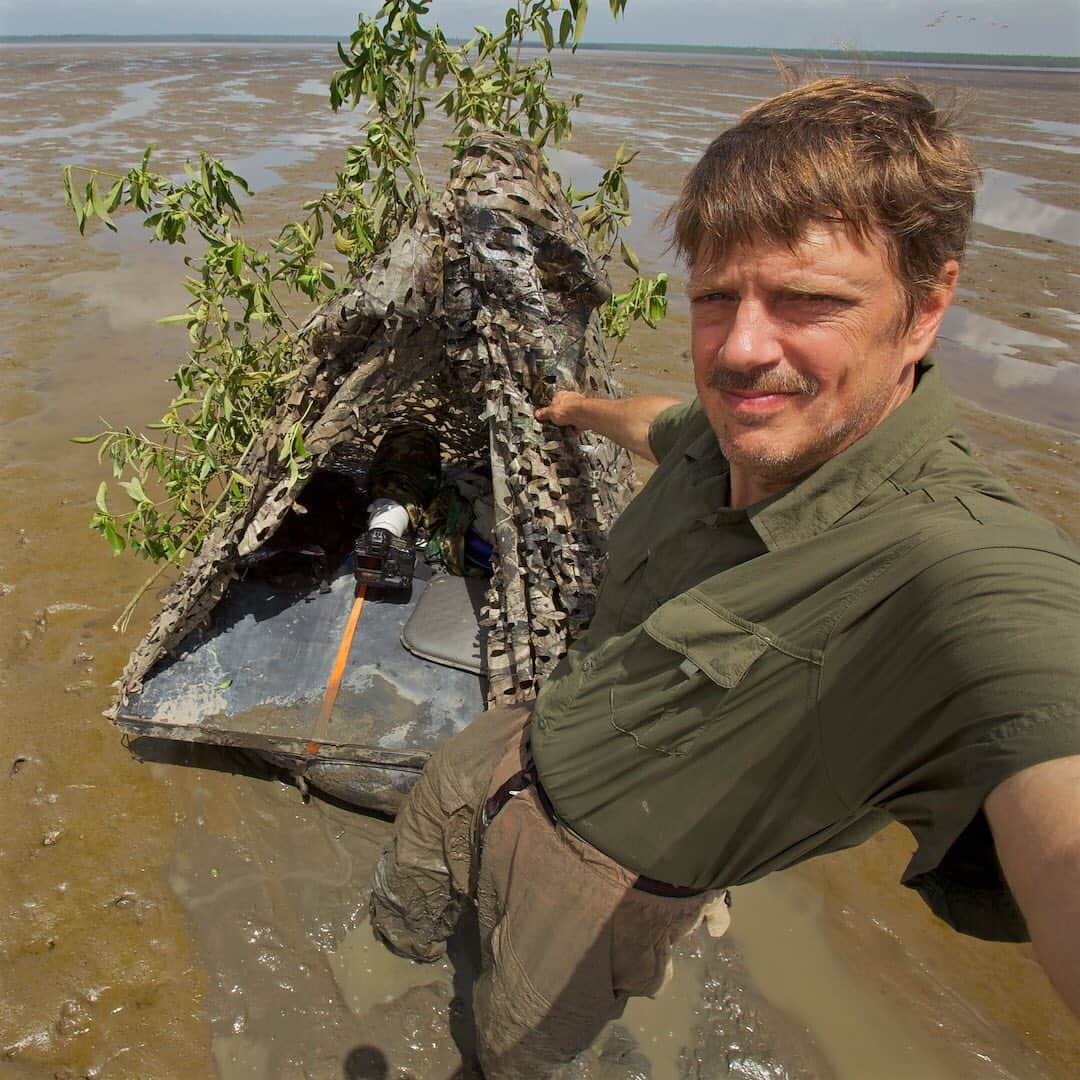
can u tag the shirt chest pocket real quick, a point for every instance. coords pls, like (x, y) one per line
(697, 669)
(683, 674)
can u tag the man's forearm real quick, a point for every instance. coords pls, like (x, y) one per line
(625, 421)
(1035, 819)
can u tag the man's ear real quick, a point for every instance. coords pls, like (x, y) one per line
(931, 311)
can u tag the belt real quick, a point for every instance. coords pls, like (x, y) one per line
(528, 778)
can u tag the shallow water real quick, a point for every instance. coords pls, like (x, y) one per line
(1003, 205)
(181, 914)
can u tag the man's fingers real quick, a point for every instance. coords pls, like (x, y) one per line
(560, 410)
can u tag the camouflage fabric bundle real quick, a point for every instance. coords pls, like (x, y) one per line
(467, 323)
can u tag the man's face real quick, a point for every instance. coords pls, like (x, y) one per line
(799, 353)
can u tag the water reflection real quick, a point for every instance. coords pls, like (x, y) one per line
(989, 335)
(1002, 205)
(981, 361)
(236, 91)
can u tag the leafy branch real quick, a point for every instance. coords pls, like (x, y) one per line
(182, 475)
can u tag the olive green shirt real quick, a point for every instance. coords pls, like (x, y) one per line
(887, 640)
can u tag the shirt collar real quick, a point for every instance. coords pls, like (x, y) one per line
(834, 489)
(837, 487)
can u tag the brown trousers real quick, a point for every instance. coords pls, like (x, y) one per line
(565, 938)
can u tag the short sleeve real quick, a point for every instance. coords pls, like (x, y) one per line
(955, 868)
(962, 677)
(667, 428)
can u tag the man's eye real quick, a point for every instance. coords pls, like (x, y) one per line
(817, 299)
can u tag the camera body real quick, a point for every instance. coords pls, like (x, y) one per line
(384, 555)
(384, 561)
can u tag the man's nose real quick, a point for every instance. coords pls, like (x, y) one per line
(752, 340)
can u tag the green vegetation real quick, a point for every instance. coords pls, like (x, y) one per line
(183, 474)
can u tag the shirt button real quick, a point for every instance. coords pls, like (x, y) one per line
(541, 723)
(588, 664)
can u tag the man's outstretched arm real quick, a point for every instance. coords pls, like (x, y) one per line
(1035, 819)
(623, 420)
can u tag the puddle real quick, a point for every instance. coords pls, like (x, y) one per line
(236, 91)
(982, 361)
(1063, 148)
(1038, 393)
(778, 928)
(1071, 318)
(260, 169)
(663, 1027)
(1057, 127)
(682, 145)
(11, 176)
(992, 337)
(134, 294)
(316, 87)
(1042, 256)
(32, 230)
(141, 99)
(646, 203)
(1002, 205)
(370, 975)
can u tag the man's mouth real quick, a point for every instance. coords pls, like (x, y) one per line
(762, 384)
(756, 402)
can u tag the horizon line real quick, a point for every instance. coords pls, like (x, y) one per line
(839, 53)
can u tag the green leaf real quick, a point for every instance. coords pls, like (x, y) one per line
(135, 489)
(116, 541)
(581, 13)
(99, 204)
(69, 192)
(86, 440)
(546, 34)
(102, 505)
(116, 193)
(566, 28)
(629, 257)
(223, 685)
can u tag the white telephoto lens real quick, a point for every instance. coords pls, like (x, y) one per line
(389, 515)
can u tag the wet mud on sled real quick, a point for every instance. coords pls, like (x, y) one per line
(463, 328)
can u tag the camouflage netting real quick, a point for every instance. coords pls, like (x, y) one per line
(467, 323)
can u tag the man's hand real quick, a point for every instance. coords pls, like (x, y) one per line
(623, 420)
(1035, 819)
(565, 410)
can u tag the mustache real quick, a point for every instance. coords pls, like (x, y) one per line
(760, 381)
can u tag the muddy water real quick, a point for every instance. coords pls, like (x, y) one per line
(186, 915)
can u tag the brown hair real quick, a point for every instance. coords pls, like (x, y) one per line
(876, 155)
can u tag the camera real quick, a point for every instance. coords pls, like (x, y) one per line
(384, 555)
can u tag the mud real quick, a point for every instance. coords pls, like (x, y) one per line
(186, 914)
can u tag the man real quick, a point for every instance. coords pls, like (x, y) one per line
(819, 616)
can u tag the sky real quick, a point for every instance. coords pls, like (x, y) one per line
(981, 26)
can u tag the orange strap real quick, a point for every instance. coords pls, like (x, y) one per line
(337, 671)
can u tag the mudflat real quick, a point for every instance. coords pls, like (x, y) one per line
(183, 915)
